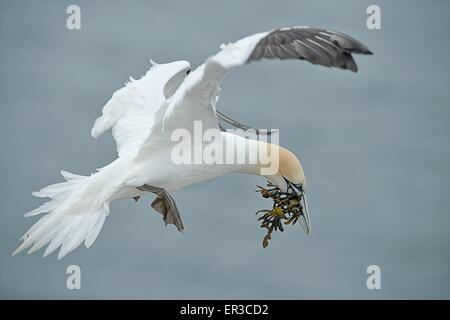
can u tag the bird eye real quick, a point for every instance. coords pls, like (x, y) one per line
(188, 71)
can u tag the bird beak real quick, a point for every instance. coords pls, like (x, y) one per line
(304, 219)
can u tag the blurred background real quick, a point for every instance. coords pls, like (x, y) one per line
(374, 145)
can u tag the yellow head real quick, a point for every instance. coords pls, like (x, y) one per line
(281, 167)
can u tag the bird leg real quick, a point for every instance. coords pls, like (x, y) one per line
(164, 204)
(238, 125)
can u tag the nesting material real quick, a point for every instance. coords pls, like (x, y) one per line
(286, 210)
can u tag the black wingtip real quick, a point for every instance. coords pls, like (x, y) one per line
(360, 49)
(318, 46)
(367, 52)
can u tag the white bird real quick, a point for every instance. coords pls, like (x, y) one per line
(144, 114)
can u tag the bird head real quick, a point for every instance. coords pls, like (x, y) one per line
(290, 180)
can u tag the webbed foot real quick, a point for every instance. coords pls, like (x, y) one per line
(165, 204)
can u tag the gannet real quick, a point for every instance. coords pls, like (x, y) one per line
(143, 115)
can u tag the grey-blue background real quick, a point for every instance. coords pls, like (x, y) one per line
(374, 145)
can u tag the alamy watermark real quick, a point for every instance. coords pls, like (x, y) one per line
(232, 147)
(374, 279)
(73, 21)
(373, 21)
(73, 281)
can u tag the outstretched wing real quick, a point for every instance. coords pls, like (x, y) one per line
(195, 99)
(131, 112)
(324, 47)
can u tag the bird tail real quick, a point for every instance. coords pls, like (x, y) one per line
(76, 213)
